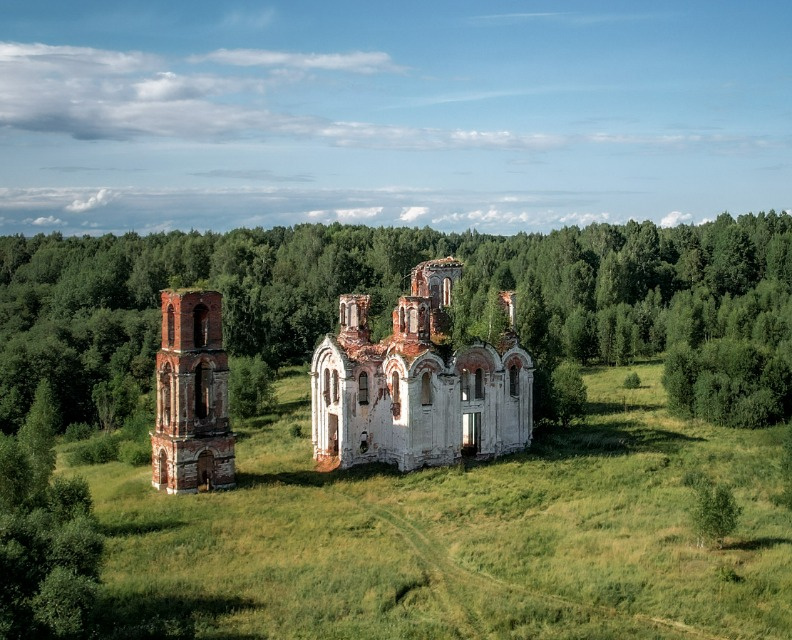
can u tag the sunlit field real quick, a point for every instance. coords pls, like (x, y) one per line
(586, 535)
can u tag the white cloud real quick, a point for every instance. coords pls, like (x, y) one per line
(45, 222)
(410, 214)
(584, 219)
(360, 213)
(366, 62)
(102, 197)
(676, 218)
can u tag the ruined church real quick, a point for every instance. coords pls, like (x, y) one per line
(409, 400)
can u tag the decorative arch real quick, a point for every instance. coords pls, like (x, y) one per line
(200, 326)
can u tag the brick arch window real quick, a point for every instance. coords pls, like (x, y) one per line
(200, 326)
(479, 387)
(163, 468)
(326, 386)
(203, 389)
(426, 389)
(335, 386)
(165, 390)
(171, 325)
(412, 321)
(363, 390)
(514, 381)
(395, 384)
(401, 319)
(343, 315)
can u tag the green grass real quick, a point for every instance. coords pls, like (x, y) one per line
(586, 535)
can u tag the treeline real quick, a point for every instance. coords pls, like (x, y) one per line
(84, 312)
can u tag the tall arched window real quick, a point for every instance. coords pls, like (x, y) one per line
(464, 384)
(401, 319)
(426, 388)
(363, 390)
(171, 326)
(200, 326)
(335, 386)
(447, 292)
(165, 388)
(163, 468)
(343, 315)
(514, 381)
(479, 383)
(202, 390)
(396, 395)
(326, 386)
(353, 315)
(412, 321)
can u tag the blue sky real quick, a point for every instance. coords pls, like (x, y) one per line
(500, 116)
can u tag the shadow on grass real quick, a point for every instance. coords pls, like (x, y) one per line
(612, 439)
(315, 478)
(757, 544)
(123, 529)
(178, 616)
(616, 407)
(285, 408)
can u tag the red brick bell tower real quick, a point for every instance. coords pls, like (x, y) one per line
(192, 444)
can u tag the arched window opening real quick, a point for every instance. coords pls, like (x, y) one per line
(514, 381)
(479, 383)
(353, 315)
(363, 391)
(395, 394)
(326, 386)
(200, 326)
(343, 315)
(205, 471)
(401, 319)
(202, 390)
(423, 324)
(412, 321)
(162, 471)
(465, 385)
(335, 386)
(171, 325)
(447, 292)
(426, 389)
(364, 444)
(166, 396)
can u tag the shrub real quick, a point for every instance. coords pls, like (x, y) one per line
(715, 513)
(77, 431)
(632, 381)
(136, 454)
(63, 602)
(99, 449)
(569, 392)
(68, 498)
(296, 431)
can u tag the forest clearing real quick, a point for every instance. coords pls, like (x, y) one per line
(587, 534)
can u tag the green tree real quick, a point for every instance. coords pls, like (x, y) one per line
(63, 602)
(569, 392)
(37, 435)
(15, 473)
(715, 513)
(578, 335)
(492, 320)
(250, 387)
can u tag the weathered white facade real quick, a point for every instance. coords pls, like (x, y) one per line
(406, 400)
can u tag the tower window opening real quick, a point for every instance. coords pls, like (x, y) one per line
(200, 326)
(363, 390)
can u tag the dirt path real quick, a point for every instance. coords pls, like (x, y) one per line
(456, 584)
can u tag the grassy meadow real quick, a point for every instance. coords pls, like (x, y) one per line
(586, 535)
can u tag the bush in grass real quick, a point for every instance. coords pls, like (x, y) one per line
(296, 431)
(137, 454)
(99, 449)
(715, 513)
(68, 498)
(569, 392)
(77, 431)
(632, 381)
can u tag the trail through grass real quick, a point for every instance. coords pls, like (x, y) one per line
(585, 535)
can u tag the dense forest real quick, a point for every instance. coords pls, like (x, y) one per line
(82, 313)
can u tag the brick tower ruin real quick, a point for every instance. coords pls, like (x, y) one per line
(192, 444)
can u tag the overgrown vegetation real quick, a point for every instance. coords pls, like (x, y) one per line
(587, 534)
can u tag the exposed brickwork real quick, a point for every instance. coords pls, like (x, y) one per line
(192, 443)
(409, 400)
